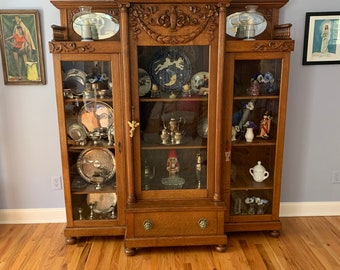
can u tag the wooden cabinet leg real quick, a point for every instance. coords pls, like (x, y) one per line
(221, 248)
(71, 240)
(130, 251)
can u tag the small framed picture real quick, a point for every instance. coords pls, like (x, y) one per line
(322, 38)
(21, 50)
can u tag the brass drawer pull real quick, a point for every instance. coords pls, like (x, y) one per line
(203, 223)
(148, 225)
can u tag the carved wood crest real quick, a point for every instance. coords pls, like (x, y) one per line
(274, 46)
(175, 24)
(70, 47)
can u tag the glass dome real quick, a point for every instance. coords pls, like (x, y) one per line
(250, 15)
(94, 25)
(249, 20)
(246, 24)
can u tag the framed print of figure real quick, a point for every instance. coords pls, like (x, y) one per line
(21, 50)
(322, 38)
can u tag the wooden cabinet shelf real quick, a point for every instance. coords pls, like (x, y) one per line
(90, 188)
(256, 142)
(178, 99)
(246, 183)
(81, 100)
(255, 97)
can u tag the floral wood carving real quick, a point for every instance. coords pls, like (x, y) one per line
(155, 21)
(273, 46)
(70, 47)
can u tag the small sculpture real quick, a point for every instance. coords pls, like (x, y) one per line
(240, 117)
(199, 169)
(154, 91)
(110, 135)
(186, 92)
(254, 89)
(172, 164)
(265, 126)
(133, 124)
(164, 136)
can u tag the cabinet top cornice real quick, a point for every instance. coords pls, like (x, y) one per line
(110, 3)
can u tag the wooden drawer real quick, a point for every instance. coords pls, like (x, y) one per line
(175, 223)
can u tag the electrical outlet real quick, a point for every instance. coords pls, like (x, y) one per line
(336, 177)
(56, 182)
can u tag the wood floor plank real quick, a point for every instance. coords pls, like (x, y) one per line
(305, 243)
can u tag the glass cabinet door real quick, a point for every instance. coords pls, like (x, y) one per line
(173, 108)
(255, 121)
(89, 124)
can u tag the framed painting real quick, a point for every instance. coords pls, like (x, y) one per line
(322, 38)
(21, 50)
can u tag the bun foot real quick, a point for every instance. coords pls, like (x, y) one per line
(275, 234)
(130, 251)
(70, 240)
(221, 248)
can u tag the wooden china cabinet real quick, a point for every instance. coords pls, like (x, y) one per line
(154, 100)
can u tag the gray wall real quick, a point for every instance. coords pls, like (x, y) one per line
(313, 135)
(29, 142)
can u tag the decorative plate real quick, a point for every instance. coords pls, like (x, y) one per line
(144, 82)
(106, 25)
(96, 116)
(200, 83)
(103, 202)
(75, 80)
(170, 69)
(233, 21)
(76, 132)
(96, 162)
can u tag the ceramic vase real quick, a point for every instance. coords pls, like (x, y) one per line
(249, 136)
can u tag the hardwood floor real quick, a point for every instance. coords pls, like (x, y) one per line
(305, 243)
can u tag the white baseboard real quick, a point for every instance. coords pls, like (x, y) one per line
(296, 209)
(34, 215)
(58, 215)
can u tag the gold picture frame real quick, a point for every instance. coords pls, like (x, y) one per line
(21, 49)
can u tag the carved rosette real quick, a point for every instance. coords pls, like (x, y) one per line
(175, 24)
(274, 46)
(70, 47)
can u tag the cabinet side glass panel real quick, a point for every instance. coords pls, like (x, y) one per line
(89, 124)
(173, 105)
(254, 135)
